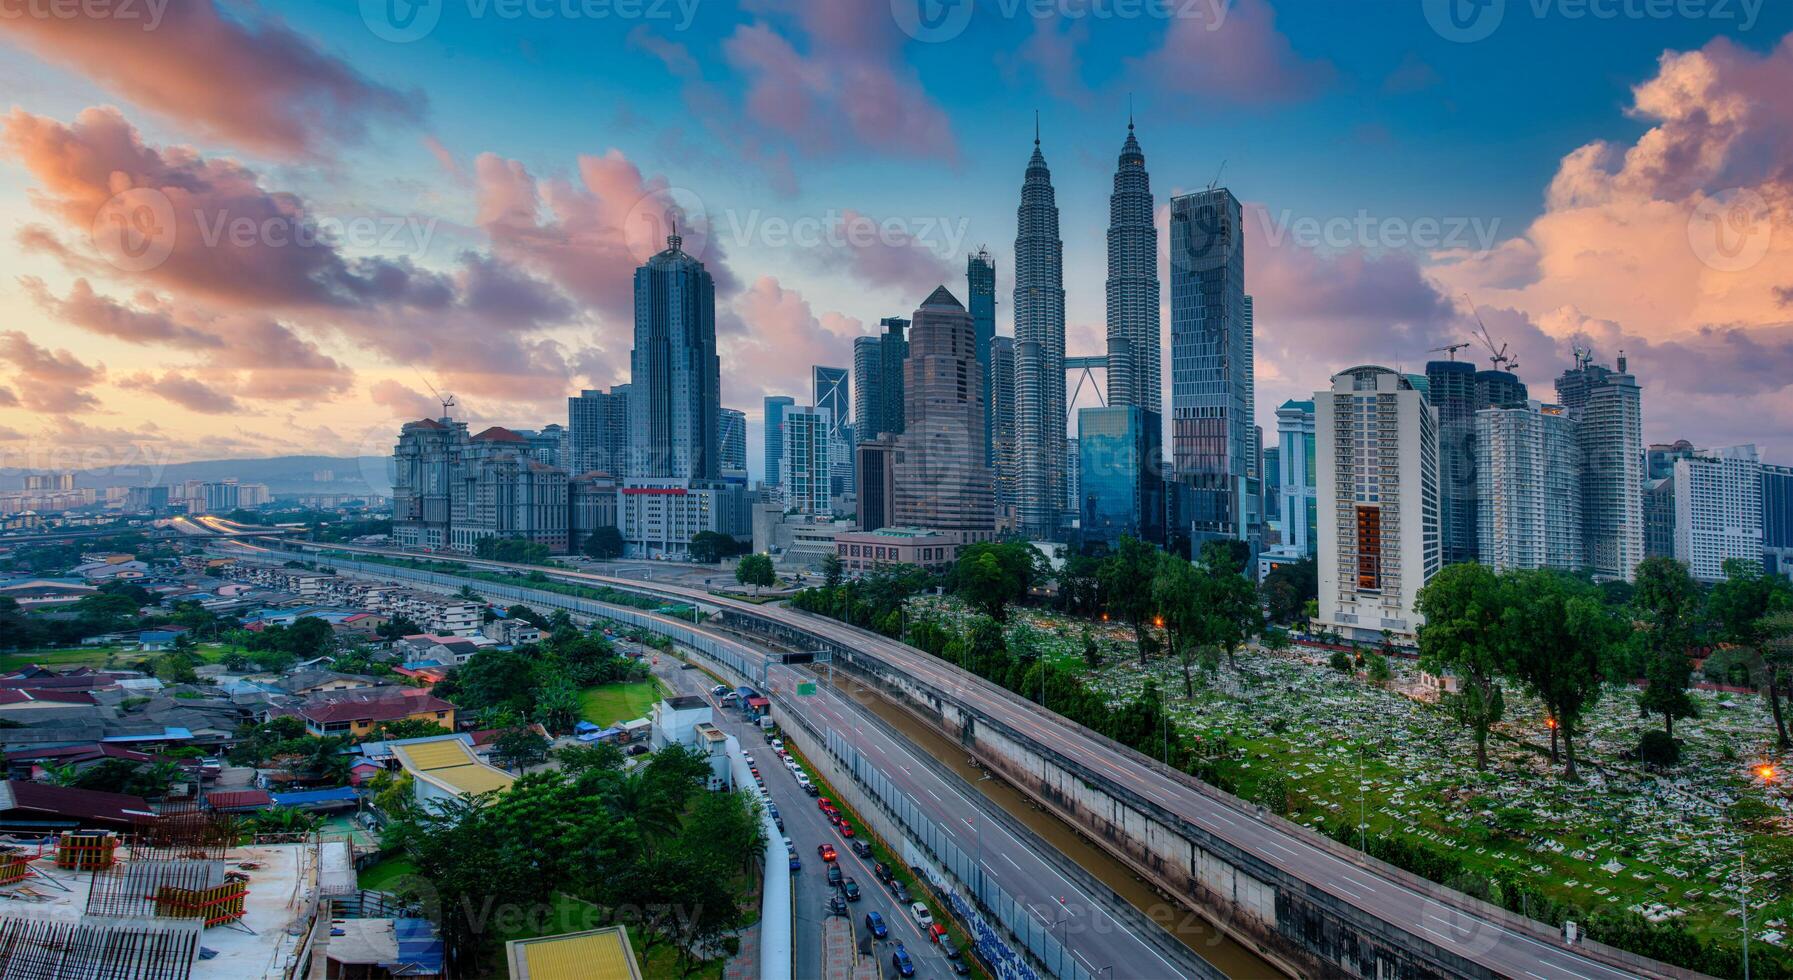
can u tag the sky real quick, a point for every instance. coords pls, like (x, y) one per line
(232, 228)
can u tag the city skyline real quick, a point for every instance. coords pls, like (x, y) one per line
(303, 352)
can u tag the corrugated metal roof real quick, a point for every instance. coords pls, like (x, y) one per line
(600, 954)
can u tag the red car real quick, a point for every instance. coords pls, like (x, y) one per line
(823, 803)
(846, 829)
(827, 852)
(834, 817)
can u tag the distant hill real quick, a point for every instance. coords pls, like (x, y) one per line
(282, 474)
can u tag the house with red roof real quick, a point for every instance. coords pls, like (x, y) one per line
(40, 809)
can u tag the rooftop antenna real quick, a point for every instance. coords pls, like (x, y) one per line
(1216, 181)
(447, 401)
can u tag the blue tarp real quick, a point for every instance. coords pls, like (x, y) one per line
(311, 797)
(169, 733)
(604, 735)
(419, 949)
(583, 727)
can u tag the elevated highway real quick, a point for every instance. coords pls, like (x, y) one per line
(1297, 896)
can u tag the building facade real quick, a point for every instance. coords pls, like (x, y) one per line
(1528, 471)
(595, 420)
(658, 518)
(1296, 485)
(775, 406)
(941, 480)
(808, 459)
(878, 380)
(875, 477)
(675, 385)
(592, 498)
(866, 551)
(1718, 510)
(1608, 405)
(731, 440)
(1376, 449)
(1458, 391)
(1777, 519)
(1211, 363)
(1040, 420)
(1003, 445)
(502, 491)
(1119, 452)
(423, 481)
(1135, 372)
(980, 298)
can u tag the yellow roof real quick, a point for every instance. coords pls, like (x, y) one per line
(449, 764)
(600, 954)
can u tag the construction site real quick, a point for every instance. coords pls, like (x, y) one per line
(187, 896)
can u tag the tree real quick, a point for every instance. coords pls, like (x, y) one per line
(388, 731)
(397, 627)
(1225, 556)
(1738, 605)
(710, 547)
(756, 570)
(1183, 596)
(519, 748)
(1776, 633)
(1668, 600)
(604, 543)
(1126, 578)
(1233, 604)
(1560, 637)
(557, 705)
(1289, 587)
(1463, 609)
(1092, 651)
(1379, 671)
(992, 574)
(516, 551)
(175, 667)
(833, 570)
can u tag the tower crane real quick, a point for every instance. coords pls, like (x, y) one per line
(447, 401)
(1498, 355)
(1449, 350)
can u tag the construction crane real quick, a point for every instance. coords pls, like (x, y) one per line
(1497, 355)
(1449, 350)
(447, 401)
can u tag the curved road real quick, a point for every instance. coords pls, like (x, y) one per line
(1492, 945)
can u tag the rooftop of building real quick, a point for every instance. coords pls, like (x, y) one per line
(686, 702)
(899, 533)
(451, 765)
(601, 953)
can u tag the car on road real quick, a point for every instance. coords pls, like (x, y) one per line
(905, 966)
(862, 849)
(796, 863)
(899, 891)
(846, 829)
(638, 750)
(920, 914)
(959, 967)
(827, 852)
(811, 789)
(824, 803)
(719, 690)
(947, 946)
(881, 871)
(837, 907)
(874, 924)
(834, 874)
(850, 890)
(936, 932)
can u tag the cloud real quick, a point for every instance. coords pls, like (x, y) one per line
(884, 255)
(1052, 52)
(8, 399)
(1411, 75)
(769, 339)
(189, 393)
(1241, 59)
(108, 318)
(244, 78)
(402, 401)
(49, 381)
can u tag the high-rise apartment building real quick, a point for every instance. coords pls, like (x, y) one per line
(501, 490)
(808, 457)
(1376, 452)
(675, 385)
(423, 481)
(1003, 445)
(1608, 405)
(1040, 420)
(1119, 453)
(598, 431)
(1458, 391)
(833, 391)
(1296, 484)
(1528, 471)
(875, 477)
(1718, 510)
(731, 440)
(1777, 519)
(980, 297)
(1135, 374)
(941, 481)
(1211, 363)
(775, 409)
(1659, 459)
(878, 380)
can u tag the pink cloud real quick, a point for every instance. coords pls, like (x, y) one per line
(244, 78)
(883, 255)
(189, 393)
(402, 401)
(770, 338)
(49, 381)
(1240, 59)
(1052, 53)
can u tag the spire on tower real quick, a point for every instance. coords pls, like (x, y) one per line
(1036, 127)
(1129, 112)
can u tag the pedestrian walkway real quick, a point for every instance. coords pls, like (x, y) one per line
(745, 965)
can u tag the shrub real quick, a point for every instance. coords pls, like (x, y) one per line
(1658, 749)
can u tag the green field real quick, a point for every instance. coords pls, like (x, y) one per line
(378, 876)
(101, 656)
(610, 703)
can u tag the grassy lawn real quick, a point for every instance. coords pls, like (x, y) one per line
(610, 703)
(100, 656)
(378, 876)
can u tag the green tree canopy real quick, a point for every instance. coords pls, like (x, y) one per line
(1463, 635)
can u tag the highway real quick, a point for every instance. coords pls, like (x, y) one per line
(1450, 925)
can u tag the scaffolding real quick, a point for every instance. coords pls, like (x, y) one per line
(184, 833)
(146, 888)
(52, 949)
(86, 850)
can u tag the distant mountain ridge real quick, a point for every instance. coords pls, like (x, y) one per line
(282, 474)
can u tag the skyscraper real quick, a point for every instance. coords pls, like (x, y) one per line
(1134, 370)
(941, 481)
(1376, 450)
(1119, 450)
(1718, 510)
(980, 286)
(1295, 437)
(1609, 406)
(878, 380)
(1002, 428)
(598, 431)
(808, 458)
(775, 406)
(1777, 519)
(1039, 352)
(832, 390)
(675, 383)
(1528, 495)
(1211, 363)
(1458, 391)
(731, 439)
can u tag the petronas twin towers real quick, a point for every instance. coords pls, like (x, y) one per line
(1133, 337)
